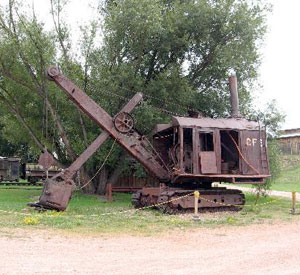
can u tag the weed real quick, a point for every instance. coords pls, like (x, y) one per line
(31, 221)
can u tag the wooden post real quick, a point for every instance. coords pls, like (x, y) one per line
(109, 192)
(181, 149)
(196, 197)
(293, 203)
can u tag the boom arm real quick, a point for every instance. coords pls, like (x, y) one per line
(76, 165)
(132, 143)
(57, 194)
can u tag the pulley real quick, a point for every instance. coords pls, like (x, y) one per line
(124, 122)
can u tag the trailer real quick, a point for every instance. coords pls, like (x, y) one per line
(9, 169)
(35, 172)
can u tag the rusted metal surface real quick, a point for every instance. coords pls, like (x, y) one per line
(221, 177)
(171, 200)
(161, 127)
(251, 146)
(68, 173)
(55, 195)
(9, 169)
(134, 183)
(211, 123)
(77, 164)
(123, 122)
(125, 189)
(46, 160)
(234, 99)
(131, 143)
(190, 151)
(208, 162)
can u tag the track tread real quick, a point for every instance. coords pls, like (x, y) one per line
(171, 208)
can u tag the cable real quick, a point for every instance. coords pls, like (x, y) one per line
(241, 155)
(110, 151)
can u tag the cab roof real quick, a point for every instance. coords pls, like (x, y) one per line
(207, 122)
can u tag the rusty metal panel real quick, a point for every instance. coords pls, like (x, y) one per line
(264, 153)
(208, 162)
(234, 98)
(56, 195)
(250, 144)
(133, 143)
(217, 148)
(181, 149)
(162, 127)
(46, 160)
(220, 123)
(94, 146)
(196, 165)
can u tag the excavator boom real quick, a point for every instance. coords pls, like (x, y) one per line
(56, 194)
(132, 142)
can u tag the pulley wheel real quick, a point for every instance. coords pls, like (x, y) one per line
(51, 72)
(123, 122)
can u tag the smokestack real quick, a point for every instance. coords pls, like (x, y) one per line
(234, 99)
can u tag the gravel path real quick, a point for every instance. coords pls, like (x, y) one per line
(254, 249)
(269, 192)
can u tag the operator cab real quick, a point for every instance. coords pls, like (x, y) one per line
(227, 149)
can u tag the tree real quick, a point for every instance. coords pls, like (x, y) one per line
(26, 51)
(179, 54)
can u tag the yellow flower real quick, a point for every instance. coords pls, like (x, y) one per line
(31, 221)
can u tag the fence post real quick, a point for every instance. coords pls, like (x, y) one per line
(196, 197)
(293, 211)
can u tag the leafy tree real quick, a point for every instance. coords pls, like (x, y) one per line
(178, 53)
(29, 99)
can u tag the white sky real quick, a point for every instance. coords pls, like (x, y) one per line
(281, 54)
(281, 60)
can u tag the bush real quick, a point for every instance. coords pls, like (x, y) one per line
(275, 163)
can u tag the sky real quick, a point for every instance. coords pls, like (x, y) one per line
(279, 71)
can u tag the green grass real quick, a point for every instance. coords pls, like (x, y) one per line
(85, 215)
(289, 179)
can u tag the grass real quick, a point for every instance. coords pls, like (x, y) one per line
(84, 214)
(289, 179)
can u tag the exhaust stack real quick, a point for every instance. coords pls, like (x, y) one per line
(234, 99)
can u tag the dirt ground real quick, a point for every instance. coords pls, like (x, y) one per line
(254, 249)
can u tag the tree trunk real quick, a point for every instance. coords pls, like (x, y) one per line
(118, 170)
(84, 179)
(102, 182)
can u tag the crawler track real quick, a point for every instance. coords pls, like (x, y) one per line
(181, 201)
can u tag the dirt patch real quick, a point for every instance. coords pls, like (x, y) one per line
(262, 249)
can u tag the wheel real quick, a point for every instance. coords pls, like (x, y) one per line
(123, 122)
